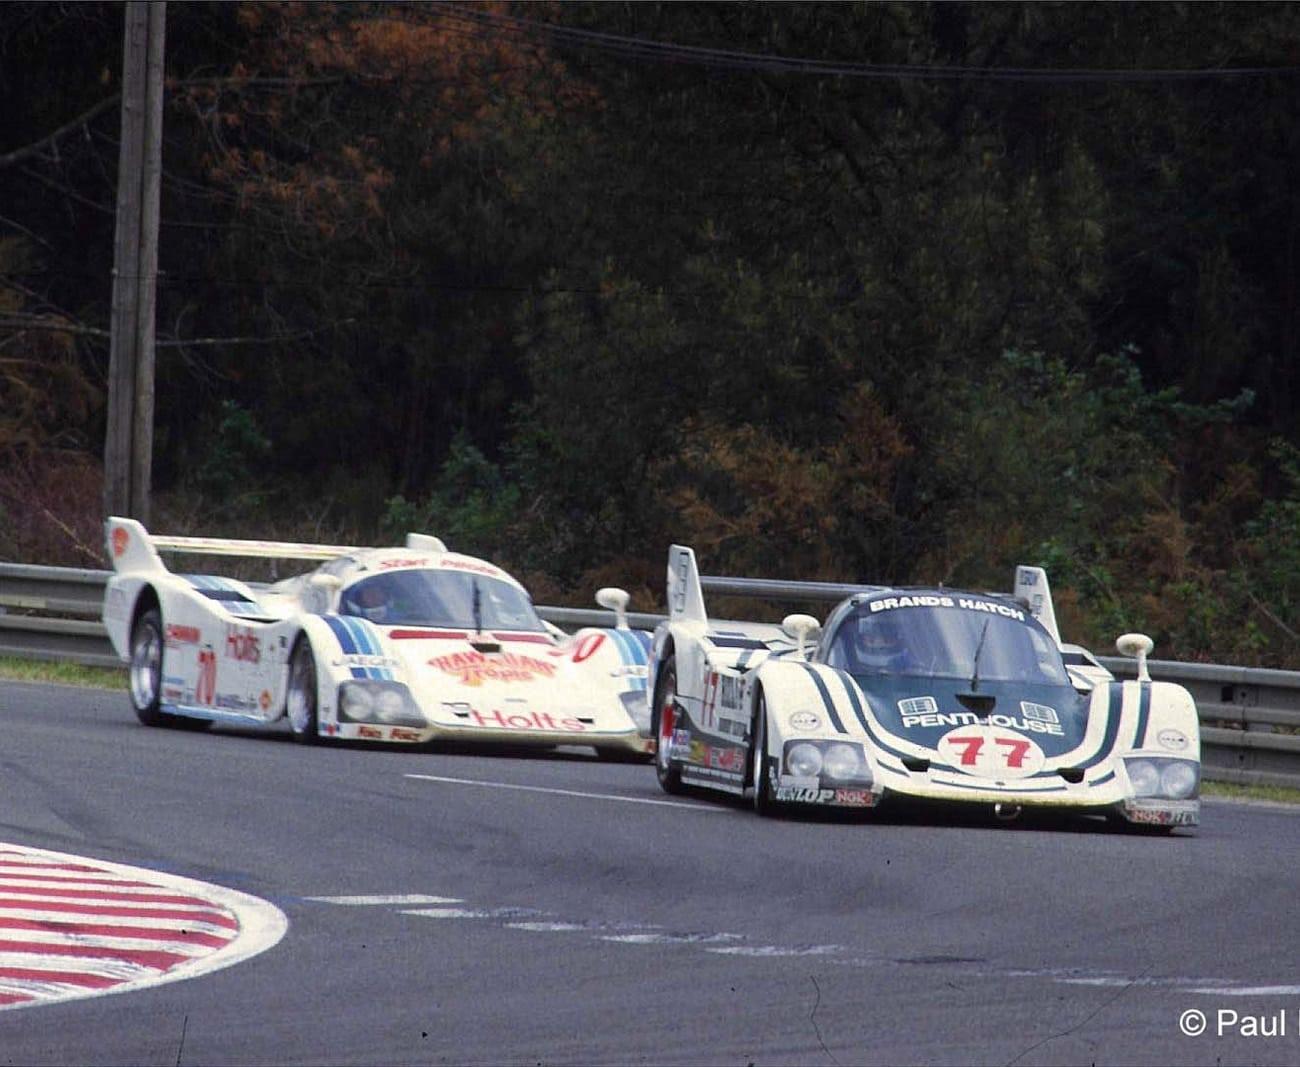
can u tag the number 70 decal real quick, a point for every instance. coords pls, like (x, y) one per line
(991, 751)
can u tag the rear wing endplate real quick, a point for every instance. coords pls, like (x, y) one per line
(1032, 588)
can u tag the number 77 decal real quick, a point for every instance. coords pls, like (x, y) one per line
(991, 751)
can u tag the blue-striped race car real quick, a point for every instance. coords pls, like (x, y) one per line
(408, 644)
(917, 694)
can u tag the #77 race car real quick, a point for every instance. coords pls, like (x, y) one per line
(407, 644)
(922, 694)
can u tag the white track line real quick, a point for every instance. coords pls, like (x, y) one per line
(565, 792)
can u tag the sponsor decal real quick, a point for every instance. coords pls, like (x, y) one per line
(182, 635)
(929, 600)
(1160, 816)
(357, 660)
(587, 646)
(918, 706)
(969, 718)
(1026, 576)
(474, 668)
(724, 759)
(121, 539)
(729, 692)
(990, 751)
(456, 564)
(264, 700)
(532, 720)
(234, 702)
(791, 794)
(855, 798)
(405, 561)
(681, 743)
(805, 720)
(1038, 712)
(205, 688)
(1175, 740)
(401, 733)
(173, 692)
(373, 733)
(243, 644)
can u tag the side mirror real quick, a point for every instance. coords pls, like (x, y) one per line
(1137, 646)
(800, 628)
(615, 600)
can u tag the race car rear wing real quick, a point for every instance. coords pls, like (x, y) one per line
(131, 547)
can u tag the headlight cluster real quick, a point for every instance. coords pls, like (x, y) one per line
(1169, 779)
(385, 702)
(836, 760)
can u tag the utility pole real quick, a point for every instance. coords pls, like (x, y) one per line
(128, 448)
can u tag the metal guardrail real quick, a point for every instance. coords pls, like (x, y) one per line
(1250, 717)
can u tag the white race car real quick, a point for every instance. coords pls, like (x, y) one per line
(406, 644)
(922, 694)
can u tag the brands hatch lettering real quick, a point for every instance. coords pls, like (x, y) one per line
(928, 600)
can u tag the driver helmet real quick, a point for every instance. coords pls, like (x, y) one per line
(372, 601)
(879, 641)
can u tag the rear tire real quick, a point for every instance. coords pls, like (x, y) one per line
(764, 803)
(663, 724)
(144, 675)
(301, 703)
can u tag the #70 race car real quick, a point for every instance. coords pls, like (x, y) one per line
(924, 694)
(407, 644)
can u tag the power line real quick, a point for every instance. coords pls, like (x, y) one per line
(486, 23)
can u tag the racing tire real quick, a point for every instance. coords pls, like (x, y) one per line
(144, 672)
(144, 675)
(300, 703)
(764, 802)
(663, 722)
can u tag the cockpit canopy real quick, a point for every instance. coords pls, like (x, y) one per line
(433, 597)
(945, 636)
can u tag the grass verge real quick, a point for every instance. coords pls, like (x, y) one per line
(36, 670)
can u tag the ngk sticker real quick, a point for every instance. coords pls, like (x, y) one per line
(990, 752)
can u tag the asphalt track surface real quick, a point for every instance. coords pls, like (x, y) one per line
(505, 908)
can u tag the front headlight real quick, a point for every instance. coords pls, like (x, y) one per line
(355, 702)
(804, 760)
(841, 761)
(1166, 779)
(364, 700)
(389, 705)
(1179, 779)
(1143, 777)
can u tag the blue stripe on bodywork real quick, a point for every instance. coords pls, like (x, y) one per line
(1114, 709)
(1103, 779)
(1144, 713)
(346, 643)
(851, 689)
(826, 698)
(368, 641)
(632, 652)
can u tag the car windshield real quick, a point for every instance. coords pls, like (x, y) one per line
(428, 597)
(945, 639)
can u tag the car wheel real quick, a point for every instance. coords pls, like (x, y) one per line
(301, 701)
(663, 724)
(764, 803)
(145, 671)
